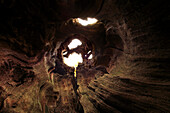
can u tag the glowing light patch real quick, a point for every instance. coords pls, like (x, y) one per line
(90, 57)
(88, 52)
(73, 59)
(74, 43)
(64, 53)
(89, 21)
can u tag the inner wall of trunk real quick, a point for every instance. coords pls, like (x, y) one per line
(128, 73)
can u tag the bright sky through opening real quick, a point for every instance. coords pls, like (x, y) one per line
(88, 21)
(90, 57)
(74, 43)
(73, 59)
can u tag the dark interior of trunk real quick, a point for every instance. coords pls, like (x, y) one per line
(125, 56)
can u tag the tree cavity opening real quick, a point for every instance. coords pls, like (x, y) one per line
(76, 51)
(85, 22)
